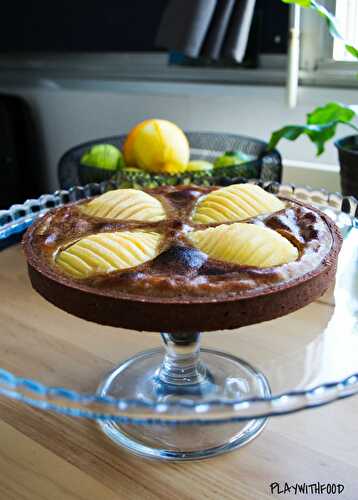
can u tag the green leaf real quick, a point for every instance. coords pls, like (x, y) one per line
(290, 132)
(301, 3)
(352, 50)
(331, 112)
(319, 133)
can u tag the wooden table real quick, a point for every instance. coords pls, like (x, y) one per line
(45, 456)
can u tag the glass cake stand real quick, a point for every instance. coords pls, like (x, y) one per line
(182, 403)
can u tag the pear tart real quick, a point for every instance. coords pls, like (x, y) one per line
(183, 258)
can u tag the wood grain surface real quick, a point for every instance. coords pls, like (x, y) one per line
(45, 456)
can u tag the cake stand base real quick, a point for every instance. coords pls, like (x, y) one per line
(159, 378)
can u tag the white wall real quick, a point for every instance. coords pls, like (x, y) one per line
(70, 112)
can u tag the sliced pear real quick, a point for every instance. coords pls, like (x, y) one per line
(107, 252)
(236, 202)
(126, 204)
(245, 244)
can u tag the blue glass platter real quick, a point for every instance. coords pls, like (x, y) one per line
(294, 373)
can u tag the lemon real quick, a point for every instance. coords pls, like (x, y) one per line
(158, 146)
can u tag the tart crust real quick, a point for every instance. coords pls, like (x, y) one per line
(183, 290)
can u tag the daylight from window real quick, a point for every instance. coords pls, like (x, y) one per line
(347, 15)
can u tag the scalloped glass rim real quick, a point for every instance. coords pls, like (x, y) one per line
(184, 412)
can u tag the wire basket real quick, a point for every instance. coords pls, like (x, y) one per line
(267, 165)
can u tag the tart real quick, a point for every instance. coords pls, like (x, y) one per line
(182, 258)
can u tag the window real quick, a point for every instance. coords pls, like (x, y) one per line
(324, 60)
(347, 17)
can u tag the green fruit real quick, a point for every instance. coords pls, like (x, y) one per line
(132, 170)
(245, 170)
(199, 166)
(135, 174)
(231, 158)
(135, 177)
(227, 168)
(105, 156)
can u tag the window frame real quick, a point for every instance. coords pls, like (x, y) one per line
(316, 61)
(315, 35)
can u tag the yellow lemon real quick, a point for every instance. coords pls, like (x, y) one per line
(157, 146)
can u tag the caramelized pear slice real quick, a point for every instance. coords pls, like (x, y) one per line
(126, 204)
(245, 244)
(108, 252)
(235, 203)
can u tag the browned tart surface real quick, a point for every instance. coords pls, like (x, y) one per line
(182, 289)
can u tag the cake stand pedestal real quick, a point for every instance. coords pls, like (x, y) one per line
(183, 370)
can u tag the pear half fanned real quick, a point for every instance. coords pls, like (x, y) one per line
(245, 244)
(235, 203)
(126, 204)
(108, 252)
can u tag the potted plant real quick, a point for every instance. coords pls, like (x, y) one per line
(320, 127)
(321, 124)
(348, 159)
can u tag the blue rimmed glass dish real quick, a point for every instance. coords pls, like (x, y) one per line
(180, 403)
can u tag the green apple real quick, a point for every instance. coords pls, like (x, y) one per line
(105, 156)
(231, 158)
